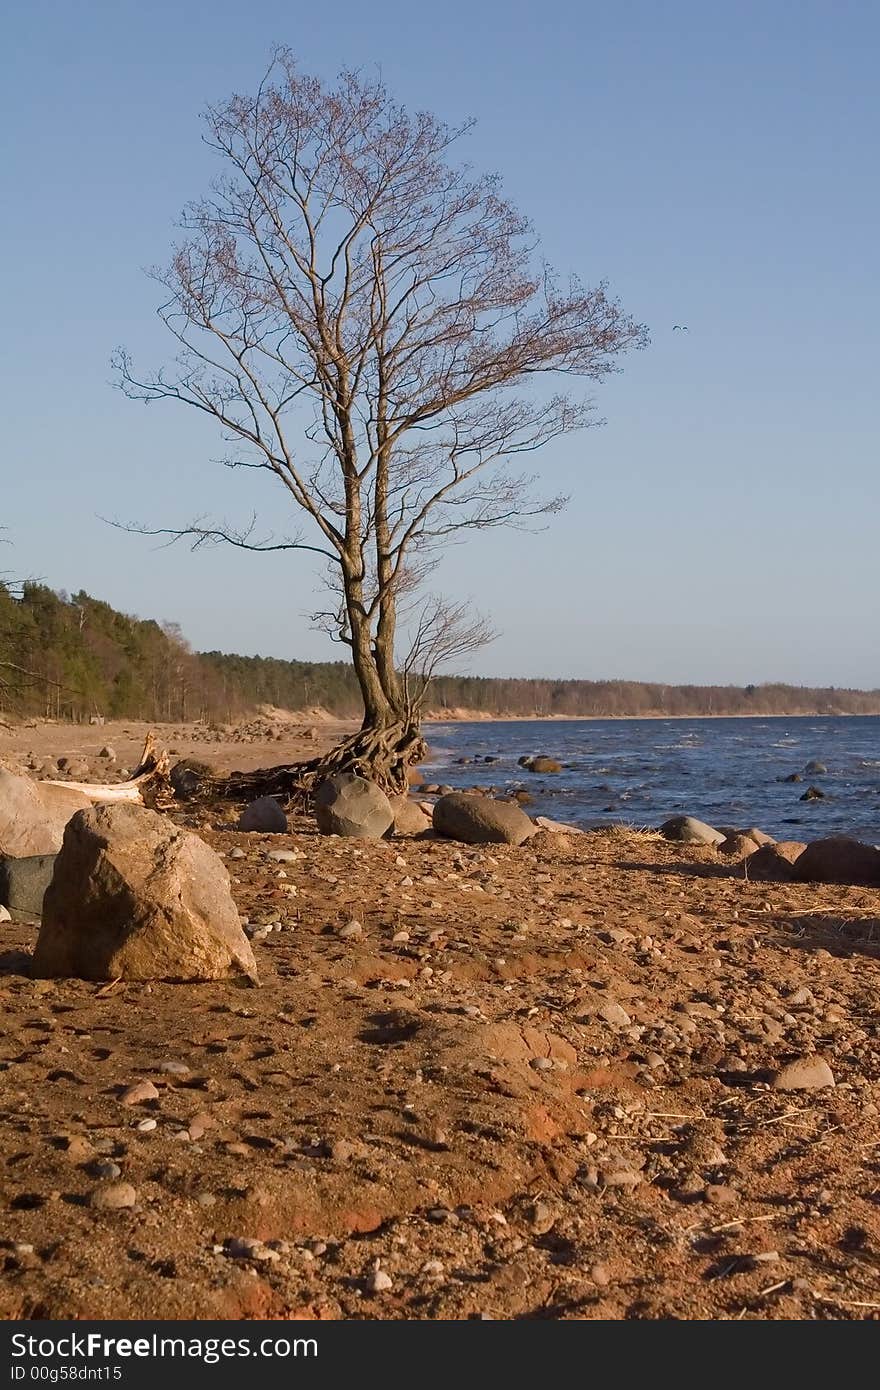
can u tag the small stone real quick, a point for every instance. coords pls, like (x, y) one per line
(542, 1063)
(283, 856)
(199, 1123)
(78, 1148)
(237, 853)
(351, 931)
(720, 1195)
(175, 1068)
(541, 1218)
(138, 1093)
(621, 1177)
(614, 1014)
(805, 1074)
(378, 1281)
(146, 1126)
(600, 1275)
(105, 1168)
(114, 1196)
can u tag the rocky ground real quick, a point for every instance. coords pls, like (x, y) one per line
(263, 740)
(533, 1082)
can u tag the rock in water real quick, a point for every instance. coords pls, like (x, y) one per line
(23, 883)
(542, 764)
(350, 805)
(33, 815)
(135, 898)
(478, 820)
(688, 831)
(839, 860)
(264, 814)
(409, 818)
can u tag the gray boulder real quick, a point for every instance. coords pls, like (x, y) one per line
(33, 814)
(134, 897)
(23, 882)
(264, 815)
(688, 831)
(478, 820)
(350, 805)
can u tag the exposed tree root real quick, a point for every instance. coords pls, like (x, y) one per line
(383, 756)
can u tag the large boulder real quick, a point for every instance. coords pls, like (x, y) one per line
(350, 805)
(775, 863)
(135, 898)
(33, 814)
(688, 831)
(478, 820)
(23, 882)
(265, 815)
(839, 860)
(409, 818)
(738, 847)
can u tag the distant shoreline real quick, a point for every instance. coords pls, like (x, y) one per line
(478, 717)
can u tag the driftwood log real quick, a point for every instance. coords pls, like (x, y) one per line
(148, 784)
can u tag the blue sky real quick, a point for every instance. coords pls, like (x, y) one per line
(716, 162)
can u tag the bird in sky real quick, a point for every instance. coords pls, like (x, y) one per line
(680, 327)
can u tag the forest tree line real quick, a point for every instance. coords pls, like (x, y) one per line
(73, 656)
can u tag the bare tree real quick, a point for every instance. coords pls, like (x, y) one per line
(369, 324)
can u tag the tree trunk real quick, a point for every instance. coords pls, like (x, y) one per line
(387, 744)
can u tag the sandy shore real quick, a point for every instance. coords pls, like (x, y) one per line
(537, 1085)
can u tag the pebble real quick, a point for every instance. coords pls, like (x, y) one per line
(621, 1177)
(78, 1148)
(378, 1281)
(115, 1196)
(139, 1092)
(614, 1014)
(542, 1217)
(805, 1074)
(105, 1168)
(146, 1126)
(175, 1068)
(249, 1248)
(351, 931)
(600, 1275)
(283, 856)
(237, 853)
(721, 1195)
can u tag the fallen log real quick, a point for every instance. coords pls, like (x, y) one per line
(148, 784)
